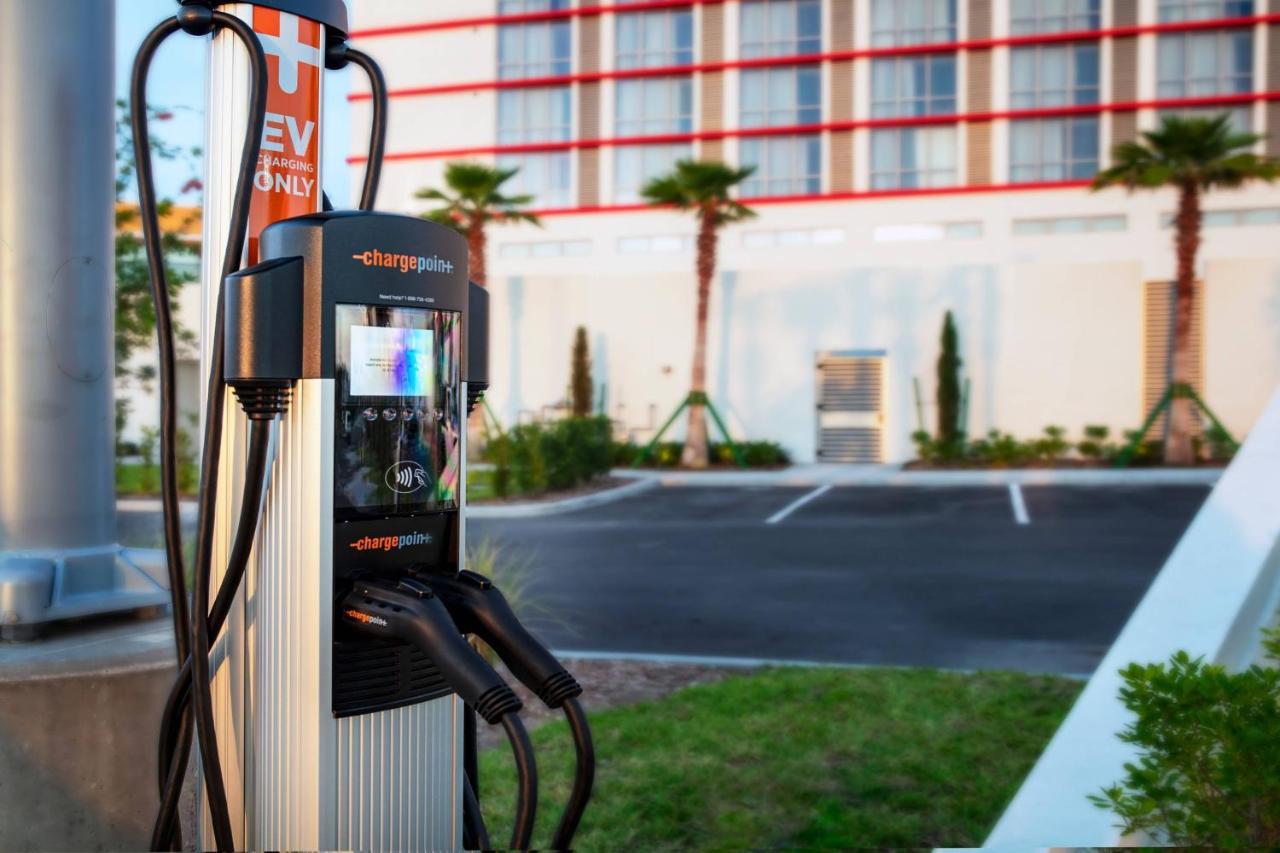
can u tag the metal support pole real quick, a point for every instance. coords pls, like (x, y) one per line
(58, 557)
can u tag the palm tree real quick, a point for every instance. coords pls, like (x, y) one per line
(704, 188)
(1194, 156)
(472, 200)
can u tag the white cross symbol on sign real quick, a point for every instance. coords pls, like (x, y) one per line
(290, 51)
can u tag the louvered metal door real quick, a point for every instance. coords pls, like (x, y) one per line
(851, 407)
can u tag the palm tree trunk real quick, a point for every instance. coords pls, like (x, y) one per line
(695, 442)
(1178, 449)
(476, 253)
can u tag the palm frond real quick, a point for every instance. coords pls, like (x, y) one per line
(1188, 151)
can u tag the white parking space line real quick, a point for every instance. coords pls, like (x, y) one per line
(1020, 514)
(796, 504)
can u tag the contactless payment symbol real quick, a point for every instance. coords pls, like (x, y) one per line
(407, 477)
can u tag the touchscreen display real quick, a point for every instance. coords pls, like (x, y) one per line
(398, 431)
(391, 362)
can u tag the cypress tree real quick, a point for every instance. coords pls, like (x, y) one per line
(949, 387)
(580, 376)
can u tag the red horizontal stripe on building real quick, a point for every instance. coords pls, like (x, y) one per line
(828, 56)
(803, 129)
(843, 196)
(524, 18)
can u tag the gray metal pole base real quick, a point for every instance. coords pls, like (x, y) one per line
(41, 587)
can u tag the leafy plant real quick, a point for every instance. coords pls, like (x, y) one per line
(1054, 445)
(532, 458)
(1208, 772)
(949, 438)
(580, 389)
(1095, 445)
(147, 446)
(135, 313)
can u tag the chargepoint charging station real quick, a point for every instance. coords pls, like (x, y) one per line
(325, 674)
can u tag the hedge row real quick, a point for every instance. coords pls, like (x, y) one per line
(535, 458)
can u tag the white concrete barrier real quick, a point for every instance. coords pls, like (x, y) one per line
(1220, 586)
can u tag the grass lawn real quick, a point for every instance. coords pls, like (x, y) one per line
(797, 758)
(479, 484)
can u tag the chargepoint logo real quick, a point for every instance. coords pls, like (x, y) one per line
(391, 543)
(402, 262)
(367, 619)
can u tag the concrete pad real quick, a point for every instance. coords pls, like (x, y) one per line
(79, 715)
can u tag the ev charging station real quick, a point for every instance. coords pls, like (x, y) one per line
(324, 671)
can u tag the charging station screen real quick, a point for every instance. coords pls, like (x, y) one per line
(399, 428)
(391, 362)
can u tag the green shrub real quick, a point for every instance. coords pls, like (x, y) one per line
(926, 449)
(1149, 451)
(528, 465)
(1095, 445)
(1208, 773)
(533, 458)
(149, 481)
(666, 454)
(580, 375)
(1054, 445)
(499, 452)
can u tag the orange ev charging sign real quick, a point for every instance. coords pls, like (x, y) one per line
(286, 180)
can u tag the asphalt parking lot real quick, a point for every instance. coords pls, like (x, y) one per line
(1031, 578)
(1039, 579)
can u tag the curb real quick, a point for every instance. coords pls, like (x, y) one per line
(186, 507)
(813, 476)
(533, 509)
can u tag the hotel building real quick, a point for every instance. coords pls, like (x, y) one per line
(912, 157)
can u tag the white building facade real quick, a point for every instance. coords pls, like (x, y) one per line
(913, 157)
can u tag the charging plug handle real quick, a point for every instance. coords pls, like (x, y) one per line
(407, 610)
(478, 607)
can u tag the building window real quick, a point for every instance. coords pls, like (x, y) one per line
(636, 165)
(664, 244)
(1070, 225)
(1214, 63)
(780, 27)
(525, 7)
(1232, 218)
(785, 165)
(1054, 149)
(1201, 10)
(902, 22)
(793, 237)
(1240, 118)
(1054, 16)
(655, 105)
(546, 177)
(913, 157)
(913, 86)
(534, 50)
(926, 231)
(533, 115)
(546, 249)
(1053, 76)
(773, 97)
(655, 39)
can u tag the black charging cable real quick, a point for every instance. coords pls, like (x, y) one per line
(337, 56)
(479, 607)
(199, 21)
(409, 610)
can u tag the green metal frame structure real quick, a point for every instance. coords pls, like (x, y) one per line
(695, 398)
(1176, 391)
